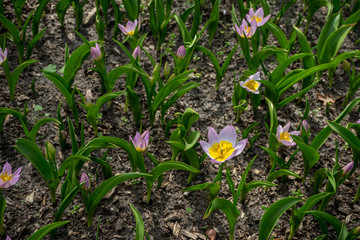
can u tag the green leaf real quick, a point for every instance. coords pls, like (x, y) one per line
(72, 160)
(42, 232)
(273, 142)
(346, 134)
(325, 132)
(191, 140)
(272, 215)
(66, 202)
(32, 135)
(135, 105)
(14, 77)
(310, 155)
(333, 221)
(183, 30)
(100, 192)
(330, 26)
(214, 19)
(278, 33)
(33, 153)
(266, 52)
(114, 75)
(37, 16)
(281, 172)
(228, 208)
(140, 228)
(93, 111)
(61, 8)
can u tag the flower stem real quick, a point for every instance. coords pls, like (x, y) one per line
(2, 211)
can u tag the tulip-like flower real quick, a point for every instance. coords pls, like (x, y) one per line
(141, 142)
(130, 27)
(284, 136)
(347, 168)
(7, 178)
(224, 146)
(305, 125)
(96, 52)
(181, 52)
(3, 55)
(245, 30)
(258, 16)
(84, 178)
(251, 85)
(137, 53)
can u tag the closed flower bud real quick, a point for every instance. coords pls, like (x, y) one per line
(347, 168)
(137, 53)
(96, 52)
(85, 178)
(166, 70)
(305, 125)
(346, 66)
(181, 52)
(63, 134)
(50, 152)
(3, 55)
(88, 98)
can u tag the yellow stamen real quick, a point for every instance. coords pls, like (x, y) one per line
(130, 33)
(247, 30)
(256, 18)
(221, 151)
(285, 136)
(5, 177)
(252, 85)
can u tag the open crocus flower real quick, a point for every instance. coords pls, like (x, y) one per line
(96, 52)
(223, 147)
(141, 142)
(258, 16)
(130, 27)
(7, 178)
(245, 30)
(3, 55)
(251, 84)
(284, 136)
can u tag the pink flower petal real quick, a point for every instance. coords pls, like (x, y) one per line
(259, 13)
(205, 146)
(286, 128)
(123, 29)
(6, 169)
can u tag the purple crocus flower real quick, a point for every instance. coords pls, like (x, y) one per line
(245, 30)
(251, 85)
(258, 16)
(8, 237)
(130, 27)
(7, 178)
(141, 142)
(224, 146)
(85, 178)
(3, 55)
(347, 168)
(137, 53)
(284, 136)
(96, 52)
(181, 52)
(358, 121)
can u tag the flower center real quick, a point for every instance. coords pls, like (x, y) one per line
(221, 151)
(258, 19)
(252, 85)
(285, 136)
(5, 177)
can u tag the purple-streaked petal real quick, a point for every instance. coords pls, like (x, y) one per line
(347, 168)
(8, 237)
(259, 13)
(248, 17)
(279, 129)
(5, 184)
(213, 137)
(240, 147)
(244, 23)
(251, 13)
(228, 134)
(252, 28)
(6, 169)
(286, 127)
(145, 136)
(205, 146)
(264, 20)
(256, 91)
(5, 53)
(16, 176)
(215, 161)
(287, 143)
(123, 29)
(237, 29)
(242, 84)
(296, 133)
(256, 76)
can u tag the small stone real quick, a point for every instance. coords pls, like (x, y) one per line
(256, 172)
(30, 198)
